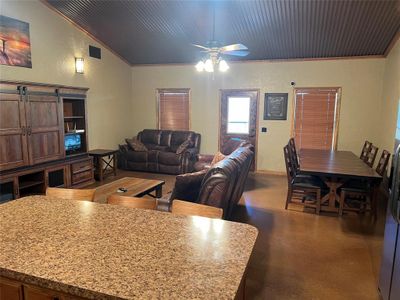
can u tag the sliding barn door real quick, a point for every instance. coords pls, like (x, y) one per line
(13, 143)
(45, 125)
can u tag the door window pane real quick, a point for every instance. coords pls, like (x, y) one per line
(238, 115)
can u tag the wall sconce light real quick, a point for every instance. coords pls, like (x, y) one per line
(79, 65)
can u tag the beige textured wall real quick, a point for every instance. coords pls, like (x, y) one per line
(391, 98)
(54, 45)
(360, 80)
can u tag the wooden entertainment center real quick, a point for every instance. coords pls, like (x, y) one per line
(36, 121)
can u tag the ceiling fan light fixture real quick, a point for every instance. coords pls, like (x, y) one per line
(209, 66)
(200, 66)
(223, 66)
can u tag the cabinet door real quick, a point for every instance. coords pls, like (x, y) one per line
(13, 141)
(10, 290)
(35, 293)
(45, 126)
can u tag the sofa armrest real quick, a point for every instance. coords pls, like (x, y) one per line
(205, 158)
(123, 148)
(191, 152)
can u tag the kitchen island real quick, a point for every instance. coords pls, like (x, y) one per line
(99, 251)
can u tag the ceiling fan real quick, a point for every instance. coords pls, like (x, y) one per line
(215, 52)
(215, 56)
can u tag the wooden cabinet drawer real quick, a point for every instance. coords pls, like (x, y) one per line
(82, 176)
(82, 166)
(10, 290)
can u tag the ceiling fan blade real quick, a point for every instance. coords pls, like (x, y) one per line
(200, 46)
(237, 53)
(233, 48)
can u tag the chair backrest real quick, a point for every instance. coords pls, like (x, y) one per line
(180, 207)
(365, 150)
(293, 154)
(289, 165)
(371, 155)
(71, 194)
(132, 202)
(382, 163)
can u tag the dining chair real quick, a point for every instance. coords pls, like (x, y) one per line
(383, 163)
(300, 189)
(71, 194)
(293, 152)
(365, 150)
(361, 191)
(186, 208)
(132, 202)
(371, 155)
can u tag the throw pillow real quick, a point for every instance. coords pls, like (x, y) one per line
(217, 158)
(136, 145)
(182, 147)
(187, 186)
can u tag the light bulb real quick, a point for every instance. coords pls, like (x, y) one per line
(223, 66)
(200, 66)
(208, 66)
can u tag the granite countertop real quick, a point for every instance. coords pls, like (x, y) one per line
(111, 252)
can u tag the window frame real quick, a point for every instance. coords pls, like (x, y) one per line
(174, 90)
(335, 135)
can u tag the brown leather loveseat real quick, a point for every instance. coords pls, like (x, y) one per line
(221, 185)
(161, 156)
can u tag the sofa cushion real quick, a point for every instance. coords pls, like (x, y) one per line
(150, 136)
(187, 186)
(152, 156)
(157, 147)
(136, 156)
(182, 147)
(169, 158)
(217, 157)
(165, 139)
(135, 145)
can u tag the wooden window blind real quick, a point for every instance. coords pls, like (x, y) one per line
(173, 109)
(316, 118)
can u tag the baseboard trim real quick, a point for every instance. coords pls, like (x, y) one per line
(270, 172)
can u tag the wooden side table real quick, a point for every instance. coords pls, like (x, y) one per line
(105, 162)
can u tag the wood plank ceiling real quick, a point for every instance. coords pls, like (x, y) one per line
(161, 31)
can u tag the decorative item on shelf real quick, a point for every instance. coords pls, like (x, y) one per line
(275, 106)
(79, 65)
(74, 130)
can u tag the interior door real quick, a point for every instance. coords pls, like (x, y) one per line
(239, 117)
(13, 142)
(45, 126)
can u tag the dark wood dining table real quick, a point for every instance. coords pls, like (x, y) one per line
(336, 168)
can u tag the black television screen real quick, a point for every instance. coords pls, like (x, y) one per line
(72, 142)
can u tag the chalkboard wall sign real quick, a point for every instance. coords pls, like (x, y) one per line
(275, 106)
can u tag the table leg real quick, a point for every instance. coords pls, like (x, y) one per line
(100, 163)
(333, 185)
(374, 200)
(114, 158)
(159, 191)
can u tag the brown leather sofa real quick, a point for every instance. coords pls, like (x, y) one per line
(161, 156)
(221, 185)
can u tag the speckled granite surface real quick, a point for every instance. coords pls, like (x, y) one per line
(102, 251)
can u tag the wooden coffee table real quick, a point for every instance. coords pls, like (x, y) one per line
(136, 187)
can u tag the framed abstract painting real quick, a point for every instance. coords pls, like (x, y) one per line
(15, 44)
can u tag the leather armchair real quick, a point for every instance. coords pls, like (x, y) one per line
(221, 185)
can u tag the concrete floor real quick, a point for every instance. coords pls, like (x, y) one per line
(299, 255)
